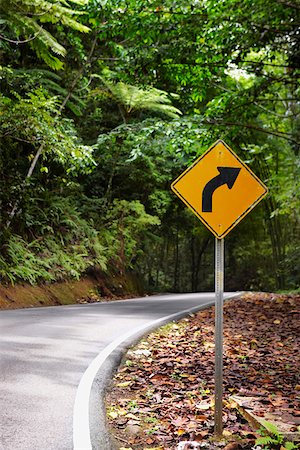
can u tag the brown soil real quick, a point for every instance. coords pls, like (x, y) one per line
(96, 287)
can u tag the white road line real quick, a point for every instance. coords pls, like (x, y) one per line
(81, 422)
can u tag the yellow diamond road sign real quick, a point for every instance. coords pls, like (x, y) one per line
(219, 188)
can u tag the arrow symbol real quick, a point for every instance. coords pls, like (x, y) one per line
(227, 175)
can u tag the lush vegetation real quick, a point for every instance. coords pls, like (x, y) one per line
(104, 103)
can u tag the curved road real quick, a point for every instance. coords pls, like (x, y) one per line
(46, 351)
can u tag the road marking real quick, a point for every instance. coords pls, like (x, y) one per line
(81, 422)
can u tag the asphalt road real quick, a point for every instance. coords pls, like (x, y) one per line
(44, 353)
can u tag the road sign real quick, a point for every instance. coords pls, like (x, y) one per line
(219, 188)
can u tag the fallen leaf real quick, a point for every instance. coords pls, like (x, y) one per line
(132, 416)
(180, 432)
(124, 384)
(203, 405)
(153, 448)
(232, 446)
(227, 433)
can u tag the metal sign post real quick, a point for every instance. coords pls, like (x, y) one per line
(219, 288)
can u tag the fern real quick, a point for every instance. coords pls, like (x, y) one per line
(67, 244)
(291, 446)
(271, 428)
(266, 440)
(274, 439)
(49, 80)
(134, 98)
(31, 118)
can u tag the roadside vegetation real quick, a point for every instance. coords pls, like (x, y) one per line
(104, 103)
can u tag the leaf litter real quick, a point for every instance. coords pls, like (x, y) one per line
(163, 394)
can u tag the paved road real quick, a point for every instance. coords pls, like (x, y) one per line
(44, 353)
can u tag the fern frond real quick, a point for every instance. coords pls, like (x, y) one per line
(74, 108)
(52, 61)
(291, 446)
(270, 427)
(43, 6)
(42, 35)
(50, 42)
(266, 440)
(135, 98)
(69, 22)
(43, 75)
(50, 81)
(80, 2)
(168, 110)
(78, 100)
(26, 18)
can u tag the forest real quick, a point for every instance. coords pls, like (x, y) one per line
(105, 102)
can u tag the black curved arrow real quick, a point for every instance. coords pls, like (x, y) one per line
(227, 175)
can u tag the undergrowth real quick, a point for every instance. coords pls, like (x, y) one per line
(61, 238)
(50, 258)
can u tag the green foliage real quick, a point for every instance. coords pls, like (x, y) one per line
(274, 438)
(32, 121)
(111, 144)
(68, 240)
(291, 446)
(134, 98)
(24, 22)
(67, 244)
(27, 80)
(125, 224)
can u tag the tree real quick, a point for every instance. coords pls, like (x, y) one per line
(233, 70)
(237, 71)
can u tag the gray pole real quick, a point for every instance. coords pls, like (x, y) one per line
(219, 288)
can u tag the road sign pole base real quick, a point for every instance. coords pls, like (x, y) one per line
(219, 289)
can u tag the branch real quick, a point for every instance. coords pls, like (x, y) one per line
(79, 73)
(259, 63)
(279, 99)
(225, 64)
(289, 4)
(35, 160)
(277, 133)
(40, 14)
(16, 138)
(21, 42)
(283, 116)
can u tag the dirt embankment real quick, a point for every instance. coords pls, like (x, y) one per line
(95, 287)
